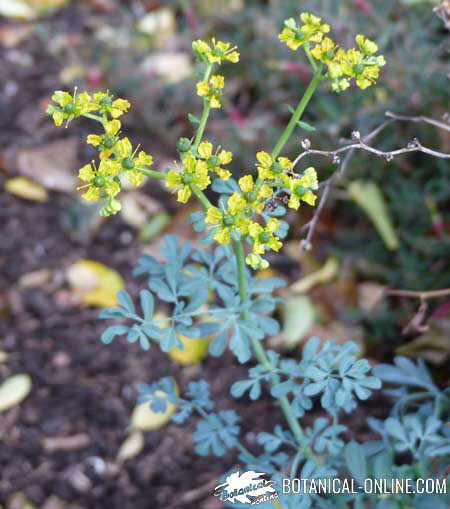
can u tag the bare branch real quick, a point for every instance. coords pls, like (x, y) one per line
(433, 294)
(427, 120)
(361, 144)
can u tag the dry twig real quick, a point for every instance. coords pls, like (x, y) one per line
(361, 143)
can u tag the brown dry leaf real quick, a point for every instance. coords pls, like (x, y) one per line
(34, 279)
(433, 345)
(370, 294)
(159, 24)
(324, 275)
(93, 283)
(52, 165)
(137, 207)
(72, 443)
(171, 67)
(26, 188)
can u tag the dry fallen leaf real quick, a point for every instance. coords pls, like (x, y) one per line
(159, 23)
(51, 165)
(131, 447)
(195, 350)
(370, 294)
(298, 317)
(26, 188)
(93, 283)
(34, 279)
(169, 66)
(144, 419)
(321, 276)
(433, 345)
(369, 197)
(14, 390)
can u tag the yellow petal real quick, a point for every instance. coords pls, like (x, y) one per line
(246, 183)
(184, 194)
(225, 157)
(86, 173)
(213, 215)
(205, 149)
(112, 127)
(264, 158)
(94, 139)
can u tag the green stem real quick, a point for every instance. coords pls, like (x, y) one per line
(205, 112)
(152, 173)
(310, 57)
(262, 357)
(286, 134)
(201, 197)
(93, 117)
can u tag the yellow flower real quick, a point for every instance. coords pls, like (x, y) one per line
(256, 261)
(215, 161)
(68, 106)
(107, 141)
(360, 64)
(313, 27)
(302, 188)
(131, 164)
(105, 104)
(216, 53)
(227, 221)
(270, 169)
(264, 238)
(324, 51)
(212, 90)
(194, 171)
(312, 30)
(254, 198)
(101, 181)
(366, 46)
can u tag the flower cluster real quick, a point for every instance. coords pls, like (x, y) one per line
(69, 107)
(118, 160)
(212, 90)
(235, 218)
(193, 171)
(216, 53)
(312, 30)
(359, 64)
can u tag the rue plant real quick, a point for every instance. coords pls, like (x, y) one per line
(212, 292)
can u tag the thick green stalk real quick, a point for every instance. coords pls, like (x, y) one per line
(201, 197)
(152, 173)
(286, 134)
(205, 112)
(262, 357)
(98, 118)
